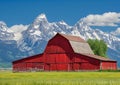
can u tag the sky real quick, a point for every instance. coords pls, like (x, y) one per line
(25, 11)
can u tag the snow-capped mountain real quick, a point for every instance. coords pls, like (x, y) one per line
(8, 46)
(87, 32)
(34, 37)
(40, 31)
(17, 31)
(4, 33)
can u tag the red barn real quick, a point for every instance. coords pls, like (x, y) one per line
(65, 53)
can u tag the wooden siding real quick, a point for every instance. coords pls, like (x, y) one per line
(58, 44)
(29, 64)
(85, 63)
(106, 65)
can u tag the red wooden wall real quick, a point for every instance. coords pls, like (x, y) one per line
(57, 54)
(56, 62)
(70, 62)
(106, 65)
(29, 64)
(58, 44)
(82, 62)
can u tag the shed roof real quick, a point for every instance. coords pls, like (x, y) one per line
(98, 57)
(34, 56)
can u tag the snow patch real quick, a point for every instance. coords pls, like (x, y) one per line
(42, 16)
(17, 30)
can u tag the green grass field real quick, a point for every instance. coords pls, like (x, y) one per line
(60, 78)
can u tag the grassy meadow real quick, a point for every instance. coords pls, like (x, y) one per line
(60, 78)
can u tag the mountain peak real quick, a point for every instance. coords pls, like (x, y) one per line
(62, 22)
(3, 26)
(40, 20)
(2, 23)
(42, 16)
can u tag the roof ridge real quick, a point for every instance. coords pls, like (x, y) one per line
(72, 38)
(68, 35)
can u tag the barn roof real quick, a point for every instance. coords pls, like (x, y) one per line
(78, 44)
(73, 38)
(98, 57)
(79, 47)
(34, 56)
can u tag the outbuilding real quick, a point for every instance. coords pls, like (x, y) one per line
(65, 53)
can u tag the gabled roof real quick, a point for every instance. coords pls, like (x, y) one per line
(78, 44)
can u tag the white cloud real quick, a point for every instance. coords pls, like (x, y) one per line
(17, 30)
(106, 19)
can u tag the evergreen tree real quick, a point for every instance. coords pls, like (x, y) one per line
(99, 47)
